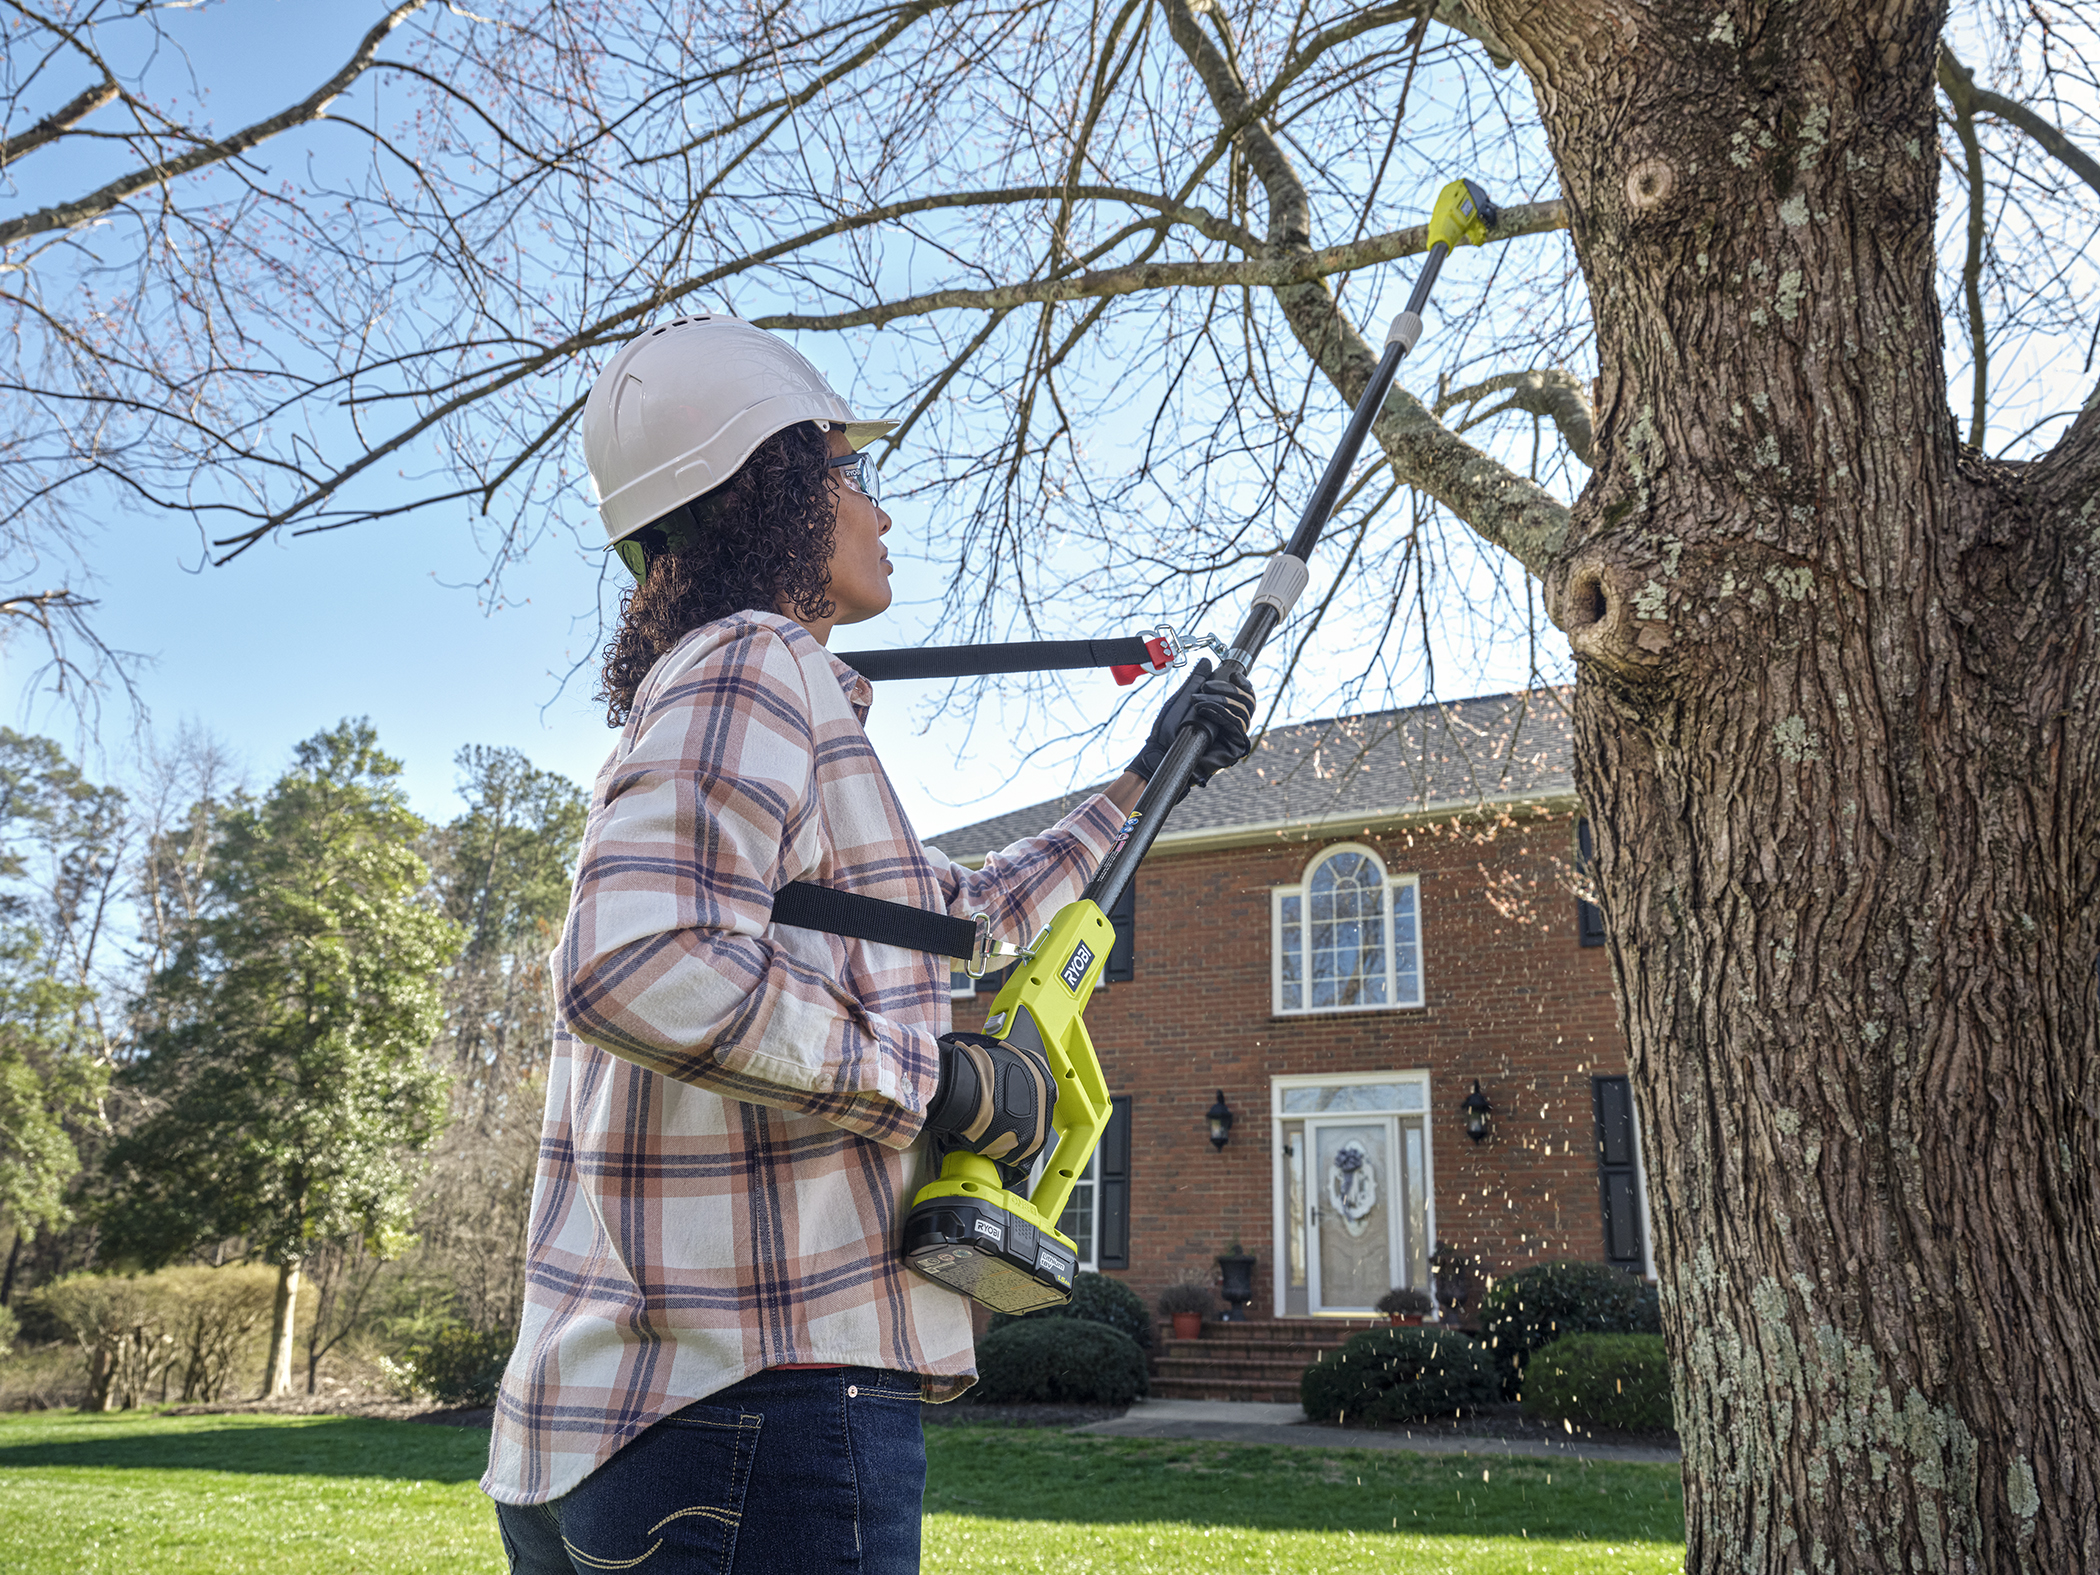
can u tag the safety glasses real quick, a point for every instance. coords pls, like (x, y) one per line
(859, 472)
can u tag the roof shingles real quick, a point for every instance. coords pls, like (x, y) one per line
(1494, 749)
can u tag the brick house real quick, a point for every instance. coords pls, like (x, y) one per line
(1340, 938)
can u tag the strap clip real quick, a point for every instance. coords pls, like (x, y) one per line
(987, 953)
(1168, 649)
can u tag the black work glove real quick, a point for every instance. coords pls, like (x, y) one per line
(993, 1098)
(1227, 704)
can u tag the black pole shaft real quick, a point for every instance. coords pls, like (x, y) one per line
(1149, 818)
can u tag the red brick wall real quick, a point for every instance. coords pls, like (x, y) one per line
(1513, 1001)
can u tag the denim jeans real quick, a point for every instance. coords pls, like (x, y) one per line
(784, 1472)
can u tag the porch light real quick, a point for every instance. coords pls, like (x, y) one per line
(1477, 1110)
(1220, 1118)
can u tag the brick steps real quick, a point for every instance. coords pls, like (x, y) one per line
(1246, 1361)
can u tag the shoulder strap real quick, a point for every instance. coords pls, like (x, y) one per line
(808, 906)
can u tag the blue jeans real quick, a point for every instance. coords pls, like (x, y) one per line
(784, 1473)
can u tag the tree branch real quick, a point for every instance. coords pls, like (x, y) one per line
(71, 215)
(1260, 272)
(1970, 100)
(59, 121)
(1972, 273)
(1502, 507)
(1550, 392)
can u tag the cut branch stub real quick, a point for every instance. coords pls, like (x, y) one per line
(1604, 608)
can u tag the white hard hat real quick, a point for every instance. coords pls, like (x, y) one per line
(684, 404)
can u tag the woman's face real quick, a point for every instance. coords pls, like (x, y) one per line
(860, 567)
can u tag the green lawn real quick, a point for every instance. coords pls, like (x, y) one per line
(140, 1491)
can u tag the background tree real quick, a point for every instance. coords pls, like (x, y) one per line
(502, 872)
(62, 843)
(284, 1074)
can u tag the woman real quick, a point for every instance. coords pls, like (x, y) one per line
(722, 1357)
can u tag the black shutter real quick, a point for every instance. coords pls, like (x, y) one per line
(1589, 918)
(1112, 1176)
(1617, 1175)
(1121, 967)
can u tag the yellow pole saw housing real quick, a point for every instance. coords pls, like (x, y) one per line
(966, 1229)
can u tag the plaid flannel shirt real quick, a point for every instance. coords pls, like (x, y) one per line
(729, 1146)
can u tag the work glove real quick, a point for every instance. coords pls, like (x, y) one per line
(993, 1098)
(1226, 703)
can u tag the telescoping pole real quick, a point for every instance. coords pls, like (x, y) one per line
(1461, 217)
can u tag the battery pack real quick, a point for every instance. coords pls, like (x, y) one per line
(988, 1253)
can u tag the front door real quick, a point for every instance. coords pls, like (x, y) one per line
(1353, 1212)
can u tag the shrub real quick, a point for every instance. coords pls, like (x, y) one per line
(1408, 1301)
(1535, 1306)
(1059, 1361)
(459, 1365)
(1399, 1375)
(1601, 1380)
(1187, 1296)
(10, 1329)
(1095, 1299)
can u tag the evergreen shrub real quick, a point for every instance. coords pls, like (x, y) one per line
(1095, 1299)
(1536, 1306)
(459, 1365)
(1399, 1375)
(1601, 1380)
(1058, 1361)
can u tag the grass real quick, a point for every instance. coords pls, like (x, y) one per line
(143, 1491)
(1007, 1499)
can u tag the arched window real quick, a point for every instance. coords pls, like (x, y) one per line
(1349, 938)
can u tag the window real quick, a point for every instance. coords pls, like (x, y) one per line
(1349, 938)
(961, 987)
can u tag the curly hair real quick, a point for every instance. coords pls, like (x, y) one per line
(762, 540)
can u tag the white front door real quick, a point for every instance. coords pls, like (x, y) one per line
(1355, 1203)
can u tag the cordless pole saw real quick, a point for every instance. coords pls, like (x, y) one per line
(968, 1230)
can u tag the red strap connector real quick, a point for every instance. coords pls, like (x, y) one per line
(1163, 657)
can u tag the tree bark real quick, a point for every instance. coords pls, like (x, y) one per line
(1836, 732)
(277, 1374)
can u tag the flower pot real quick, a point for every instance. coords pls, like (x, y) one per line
(1188, 1326)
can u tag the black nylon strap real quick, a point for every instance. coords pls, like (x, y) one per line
(971, 661)
(808, 906)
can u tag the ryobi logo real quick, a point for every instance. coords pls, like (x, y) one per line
(1075, 970)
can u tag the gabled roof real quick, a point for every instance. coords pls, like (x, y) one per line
(1375, 768)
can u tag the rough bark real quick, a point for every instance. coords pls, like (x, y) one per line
(1836, 730)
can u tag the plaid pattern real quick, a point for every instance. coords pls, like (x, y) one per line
(731, 1110)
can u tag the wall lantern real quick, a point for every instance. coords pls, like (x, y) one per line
(1220, 1118)
(1477, 1110)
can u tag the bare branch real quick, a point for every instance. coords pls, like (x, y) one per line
(1505, 508)
(84, 210)
(1260, 272)
(59, 121)
(1972, 273)
(1969, 100)
(1549, 392)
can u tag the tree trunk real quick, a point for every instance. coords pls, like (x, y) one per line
(1836, 732)
(7, 1283)
(277, 1376)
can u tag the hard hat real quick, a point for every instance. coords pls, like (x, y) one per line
(683, 405)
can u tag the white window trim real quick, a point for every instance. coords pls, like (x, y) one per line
(1277, 894)
(1279, 1180)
